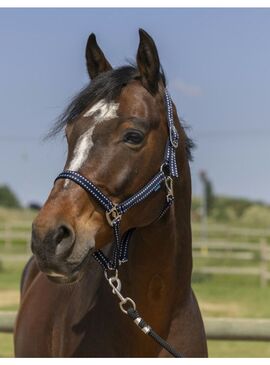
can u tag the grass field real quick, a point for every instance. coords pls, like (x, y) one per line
(218, 296)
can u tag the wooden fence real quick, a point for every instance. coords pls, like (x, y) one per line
(21, 231)
(222, 230)
(242, 329)
(7, 320)
(256, 254)
(15, 232)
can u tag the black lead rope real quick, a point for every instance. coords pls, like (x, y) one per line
(134, 315)
(132, 312)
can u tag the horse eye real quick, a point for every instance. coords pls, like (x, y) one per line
(133, 137)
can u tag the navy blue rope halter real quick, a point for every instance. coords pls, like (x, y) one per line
(114, 212)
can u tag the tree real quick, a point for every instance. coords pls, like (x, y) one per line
(8, 198)
(256, 216)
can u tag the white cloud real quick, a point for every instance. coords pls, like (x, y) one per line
(186, 88)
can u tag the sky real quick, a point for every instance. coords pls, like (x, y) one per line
(216, 62)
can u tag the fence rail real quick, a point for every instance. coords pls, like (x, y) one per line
(242, 329)
(255, 254)
(218, 229)
(236, 231)
(15, 232)
(214, 244)
(7, 321)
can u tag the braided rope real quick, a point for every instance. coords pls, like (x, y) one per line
(134, 315)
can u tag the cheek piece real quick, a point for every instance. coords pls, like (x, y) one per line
(114, 212)
(163, 178)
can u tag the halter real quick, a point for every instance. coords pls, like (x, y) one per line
(114, 212)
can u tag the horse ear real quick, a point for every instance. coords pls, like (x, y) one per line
(95, 60)
(148, 62)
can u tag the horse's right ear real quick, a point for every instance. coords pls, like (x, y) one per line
(95, 60)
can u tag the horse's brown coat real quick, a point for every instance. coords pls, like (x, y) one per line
(82, 318)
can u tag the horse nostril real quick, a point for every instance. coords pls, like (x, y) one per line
(64, 239)
(63, 232)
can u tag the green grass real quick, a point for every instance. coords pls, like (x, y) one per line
(215, 348)
(232, 296)
(6, 345)
(10, 275)
(238, 349)
(10, 308)
(16, 248)
(9, 215)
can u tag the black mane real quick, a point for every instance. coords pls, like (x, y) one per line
(106, 86)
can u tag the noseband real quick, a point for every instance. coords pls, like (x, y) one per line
(114, 212)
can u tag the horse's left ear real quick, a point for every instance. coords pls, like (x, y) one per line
(148, 62)
(95, 60)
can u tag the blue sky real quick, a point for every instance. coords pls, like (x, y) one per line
(216, 62)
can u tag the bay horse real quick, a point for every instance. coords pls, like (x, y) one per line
(117, 130)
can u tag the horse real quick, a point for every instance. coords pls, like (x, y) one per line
(117, 129)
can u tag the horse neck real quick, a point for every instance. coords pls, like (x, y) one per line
(163, 249)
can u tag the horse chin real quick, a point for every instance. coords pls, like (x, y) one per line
(70, 276)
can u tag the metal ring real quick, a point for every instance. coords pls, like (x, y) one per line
(169, 185)
(118, 286)
(127, 299)
(173, 141)
(112, 277)
(113, 215)
(165, 168)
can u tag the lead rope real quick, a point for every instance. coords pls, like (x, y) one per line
(132, 312)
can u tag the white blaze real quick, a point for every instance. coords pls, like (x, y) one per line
(81, 150)
(101, 111)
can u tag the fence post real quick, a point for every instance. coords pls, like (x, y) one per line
(7, 237)
(263, 263)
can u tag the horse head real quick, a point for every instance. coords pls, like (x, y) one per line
(116, 131)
